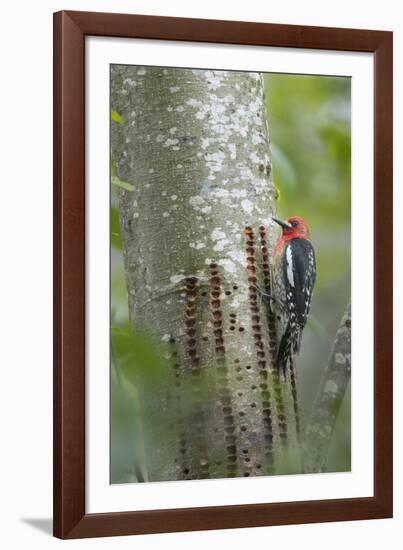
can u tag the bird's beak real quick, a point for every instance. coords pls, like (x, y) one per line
(281, 222)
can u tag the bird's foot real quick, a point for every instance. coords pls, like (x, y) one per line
(263, 293)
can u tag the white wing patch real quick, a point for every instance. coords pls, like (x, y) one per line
(290, 272)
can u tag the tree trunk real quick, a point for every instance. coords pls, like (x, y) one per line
(335, 380)
(197, 234)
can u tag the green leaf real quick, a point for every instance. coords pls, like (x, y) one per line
(283, 169)
(139, 355)
(122, 184)
(113, 167)
(117, 118)
(116, 238)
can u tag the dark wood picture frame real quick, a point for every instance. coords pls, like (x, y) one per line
(70, 517)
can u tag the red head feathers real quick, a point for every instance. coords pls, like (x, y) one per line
(293, 228)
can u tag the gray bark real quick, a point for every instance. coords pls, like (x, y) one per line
(196, 234)
(335, 380)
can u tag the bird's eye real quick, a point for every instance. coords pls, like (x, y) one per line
(294, 223)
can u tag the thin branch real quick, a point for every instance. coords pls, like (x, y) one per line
(335, 380)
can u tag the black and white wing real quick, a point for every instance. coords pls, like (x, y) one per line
(299, 265)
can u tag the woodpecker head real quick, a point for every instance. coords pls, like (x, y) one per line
(294, 228)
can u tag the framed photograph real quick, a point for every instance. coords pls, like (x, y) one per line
(223, 274)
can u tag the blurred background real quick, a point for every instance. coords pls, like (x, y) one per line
(309, 121)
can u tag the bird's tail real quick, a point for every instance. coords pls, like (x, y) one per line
(284, 351)
(295, 398)
(285, 359)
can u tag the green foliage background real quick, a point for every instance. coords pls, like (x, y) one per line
(310, 125)
(309, 120)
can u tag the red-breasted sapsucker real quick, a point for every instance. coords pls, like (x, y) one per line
(293, 278)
